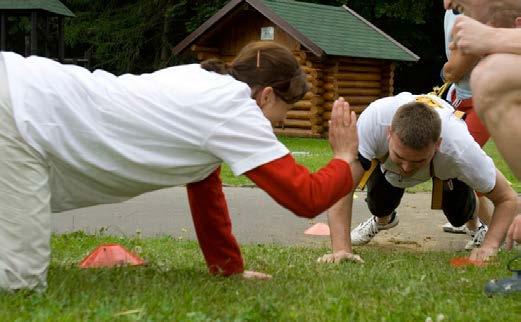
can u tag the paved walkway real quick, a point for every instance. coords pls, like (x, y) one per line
(256, 219)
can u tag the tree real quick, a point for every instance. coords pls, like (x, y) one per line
(133, 35)
(138, 35)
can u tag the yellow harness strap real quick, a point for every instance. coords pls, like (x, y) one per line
(441, 90)
(367, 174)
(437, 183)
(437, 193)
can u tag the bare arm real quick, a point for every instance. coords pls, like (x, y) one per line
(505, 206)
(339, 219)
(458, 65)
(508, 41)
(473, 37)
(339, 216)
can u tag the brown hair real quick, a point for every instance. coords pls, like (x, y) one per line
(417, 125)
(263, 64)
(503, 13)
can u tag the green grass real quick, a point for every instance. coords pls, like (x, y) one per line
(316, 153)
(312, 153)
(393, 285)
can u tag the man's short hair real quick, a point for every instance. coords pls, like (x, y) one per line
(416, 125)
(503, 13)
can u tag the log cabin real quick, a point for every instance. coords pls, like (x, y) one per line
(342, 53)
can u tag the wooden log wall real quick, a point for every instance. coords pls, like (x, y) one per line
(388, 79)
(359, 81)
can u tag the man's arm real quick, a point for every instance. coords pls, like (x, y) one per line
(458, 65)
(473, 37)
(504, 199)
(339, 220)
(339, 216)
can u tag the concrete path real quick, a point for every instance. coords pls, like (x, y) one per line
(256, 219)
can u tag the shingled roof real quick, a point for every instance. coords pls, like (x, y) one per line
(322, 29)
(53, 6)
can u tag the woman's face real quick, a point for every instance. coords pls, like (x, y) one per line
(273, 107)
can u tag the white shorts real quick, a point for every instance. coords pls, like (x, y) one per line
(25, 227)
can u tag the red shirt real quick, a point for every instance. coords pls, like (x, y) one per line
(290, 184)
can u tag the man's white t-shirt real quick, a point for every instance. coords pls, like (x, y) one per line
(110, 138)
(459, 155)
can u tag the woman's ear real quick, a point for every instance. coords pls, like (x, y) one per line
(266, 96)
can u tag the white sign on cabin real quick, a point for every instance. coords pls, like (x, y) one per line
(267, 33)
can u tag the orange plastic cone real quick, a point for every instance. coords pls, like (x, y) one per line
(319, 229)
(110, 255)
(465, 261)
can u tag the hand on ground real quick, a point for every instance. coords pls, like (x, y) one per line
(483, 253)
(252, 275)
(340, 256)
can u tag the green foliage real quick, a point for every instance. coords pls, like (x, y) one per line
(115, 38)
(138, 35)
(133, 36)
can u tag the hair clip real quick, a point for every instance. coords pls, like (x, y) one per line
(258, 58)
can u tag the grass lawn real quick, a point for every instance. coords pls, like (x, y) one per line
(315, 153)
(391, 286)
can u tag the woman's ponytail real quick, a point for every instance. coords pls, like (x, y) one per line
(216, 65)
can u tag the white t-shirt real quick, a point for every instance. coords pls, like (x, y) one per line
(462, 87)
(459, 155)
(110, 138)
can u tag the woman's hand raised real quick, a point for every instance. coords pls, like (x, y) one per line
(343, 135)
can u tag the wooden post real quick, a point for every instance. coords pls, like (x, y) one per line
(3, 32)
(61, 39)
(34, 33)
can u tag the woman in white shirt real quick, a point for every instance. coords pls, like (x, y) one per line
(71, 138)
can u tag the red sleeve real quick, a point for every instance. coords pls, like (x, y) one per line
(294, 187)
(213, 226)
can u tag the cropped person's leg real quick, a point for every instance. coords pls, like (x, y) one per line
(24, 207)
(460, 206)
(382, 197)
(496, 86)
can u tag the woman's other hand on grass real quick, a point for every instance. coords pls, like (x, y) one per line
(340, 256)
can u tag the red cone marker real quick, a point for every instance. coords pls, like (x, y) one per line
(111, 255)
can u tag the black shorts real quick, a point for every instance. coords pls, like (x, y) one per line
(459, 200)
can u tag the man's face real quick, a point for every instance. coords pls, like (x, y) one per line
(477, 9)
(407, 159)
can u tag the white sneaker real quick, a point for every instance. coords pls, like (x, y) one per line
(448, 228)
(478, 236)
(364, 232)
